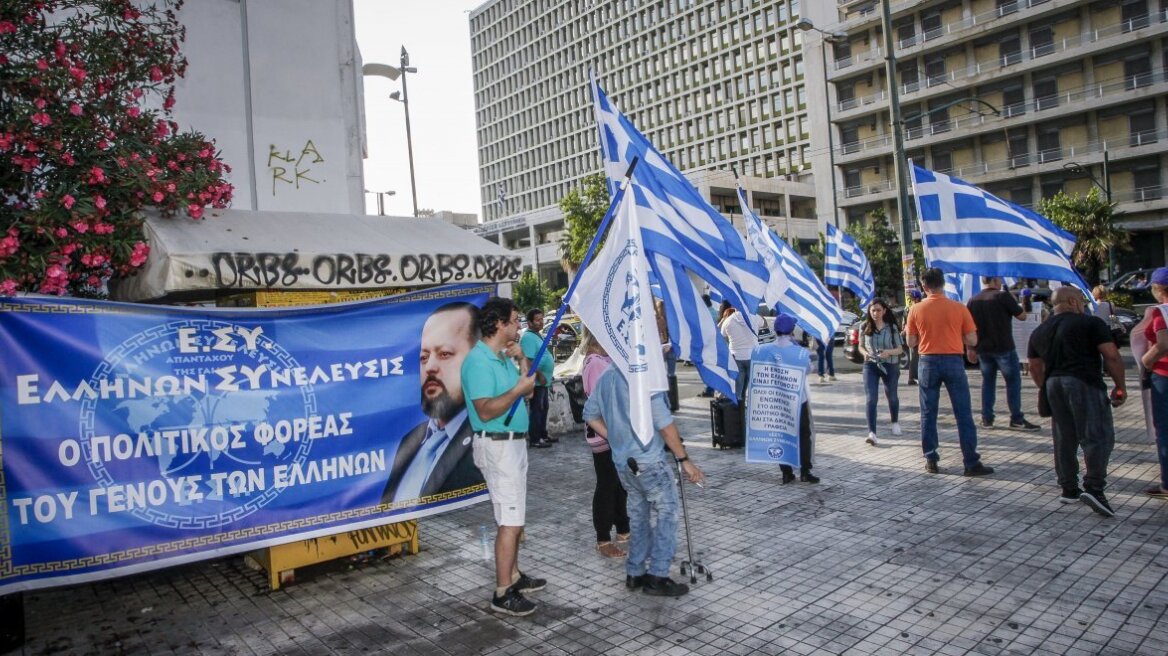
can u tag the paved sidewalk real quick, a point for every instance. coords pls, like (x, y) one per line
(880, 558)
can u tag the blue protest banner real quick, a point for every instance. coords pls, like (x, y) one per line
(135, 437)
(778, 374)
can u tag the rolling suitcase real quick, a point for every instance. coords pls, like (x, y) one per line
(726, 424)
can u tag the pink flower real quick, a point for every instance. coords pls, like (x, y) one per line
(42, 119)
(158, 196)
(80, 226)
(133, 112)
(93, 281)
(8, 287)
(161, 129)
(155, 74)
(68, 201)
(99, 201)
(138, 256)
(5, 141)
(55, 271)
(96, 175)
(78, 73)
(67, 159)
(75, 109)
(40, 103)
(195, 210)
(42, 64)
(100, 228)
(7, 27)
(61, 232)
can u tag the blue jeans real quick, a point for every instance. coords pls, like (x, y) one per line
(1160, 420)
(1007, 363)
(654, 490)
(947, 370)
(742, 380)
(823, 352)
(889, 373)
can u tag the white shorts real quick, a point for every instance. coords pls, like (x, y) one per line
(504, 466)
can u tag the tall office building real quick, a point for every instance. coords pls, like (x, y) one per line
(713, 84)
(1025, 98)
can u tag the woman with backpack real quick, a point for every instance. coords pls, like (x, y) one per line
(881, 344)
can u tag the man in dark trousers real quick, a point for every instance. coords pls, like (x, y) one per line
(943, 330)
(530, 342)
(994, 309)
(1066, 355)
(436, 456)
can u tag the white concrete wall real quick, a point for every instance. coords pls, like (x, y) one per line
(276, 84)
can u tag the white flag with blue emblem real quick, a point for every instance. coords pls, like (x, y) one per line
(844, 264)
(804, 296)
(966, 229)
(614, 301)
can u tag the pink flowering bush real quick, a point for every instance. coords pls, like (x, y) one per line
(87, 141)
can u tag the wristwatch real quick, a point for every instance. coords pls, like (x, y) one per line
(683, 458)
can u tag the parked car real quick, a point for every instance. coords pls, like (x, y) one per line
(841, 333)
(852, 339)
(1125, 320)
(1128, 283)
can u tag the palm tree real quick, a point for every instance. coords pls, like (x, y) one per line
(1091, 219)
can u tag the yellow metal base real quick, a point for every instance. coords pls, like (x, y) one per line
(281, 561)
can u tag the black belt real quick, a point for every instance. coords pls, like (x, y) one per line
(502, 436)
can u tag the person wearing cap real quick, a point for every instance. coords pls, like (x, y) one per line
(1066, 354)
(994, 311)
(943, 329)
(1155, 360)
(784, 337)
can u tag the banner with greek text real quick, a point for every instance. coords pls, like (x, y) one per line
(134, 437)
(777, 389)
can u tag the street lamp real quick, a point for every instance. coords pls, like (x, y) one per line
(806, 25)
(392, 73)
(1079, 169)
(381, 200)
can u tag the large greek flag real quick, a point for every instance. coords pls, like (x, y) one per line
(966, 229)
(847, 266)
(804, 296)
(684, 234)
(614, 301)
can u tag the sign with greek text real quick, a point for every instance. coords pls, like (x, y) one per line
(775, 396)
(134, 437)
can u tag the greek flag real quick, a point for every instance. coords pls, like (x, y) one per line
(683, 233)
(964, 286)
(613, 299)
(968, 230)
(847, 266)
(805, 297)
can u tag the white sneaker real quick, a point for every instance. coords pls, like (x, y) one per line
(872, 439)
(831, 378)
(822, 380)
(896, 429)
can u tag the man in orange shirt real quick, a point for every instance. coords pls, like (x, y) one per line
(943, 330)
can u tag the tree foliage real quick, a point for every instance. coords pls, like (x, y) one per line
(87, 140)
(881, 245)
(528, 292)
(1091, 219)
(583, 209)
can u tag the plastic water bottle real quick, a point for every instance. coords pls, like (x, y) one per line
(484, 542)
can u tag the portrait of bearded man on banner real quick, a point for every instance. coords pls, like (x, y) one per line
(436, 455)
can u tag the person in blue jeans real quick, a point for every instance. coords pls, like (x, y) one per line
(881, 346)
(943, 329)
(647, 477)
(994, 311)
(823, 353)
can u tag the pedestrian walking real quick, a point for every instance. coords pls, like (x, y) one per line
(609, 509)
(823, 353)
(1066, 354)
(491, 383)
(649, 480)
(881, 345)
(943, 329)
(530, 343)
(994, 310)
(1155, 360)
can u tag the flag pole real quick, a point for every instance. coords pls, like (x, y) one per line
(616, 199)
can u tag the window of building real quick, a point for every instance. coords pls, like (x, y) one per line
(1146, 183)
(1013, 101)
(942, 161)
(1134, 14)
(935, 69)
(1049, 149)
(1018, 147)
(1138, 72)
(1041, 41)
(1010, 49)
(1142, 127)
(1046, 92)
(1052, 188)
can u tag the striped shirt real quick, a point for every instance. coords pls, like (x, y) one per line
(881, 340)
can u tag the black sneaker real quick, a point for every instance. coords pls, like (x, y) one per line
(1025, 425)
(634, 582)
(931, 466)
(987, 423)
(512, 603)
(528, 584)
(540, 444)
(979, 470)
(1097, 502)
(663, 586)
(1070, 495)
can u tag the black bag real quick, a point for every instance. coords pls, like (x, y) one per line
(726, 426)
(576, 397)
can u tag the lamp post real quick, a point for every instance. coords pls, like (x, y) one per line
(392, 73)
(1079, 169)
(381, 200)
(826, 37)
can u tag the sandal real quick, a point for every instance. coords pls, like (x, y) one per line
(609, 550)
(623, 538)
(1156, 492)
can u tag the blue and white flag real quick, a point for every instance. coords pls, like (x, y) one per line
(805, 296)
(964, 286)
(846, 265)
(613, 300)
(756, 234)
(966, 229)
(680, 226)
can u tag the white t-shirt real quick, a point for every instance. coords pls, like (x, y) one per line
(742, 339)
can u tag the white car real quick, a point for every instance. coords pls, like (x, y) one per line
(841, 333)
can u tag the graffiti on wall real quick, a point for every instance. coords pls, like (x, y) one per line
(289, 169)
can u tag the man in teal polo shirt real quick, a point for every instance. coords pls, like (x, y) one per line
(530, 343)
(491, 384)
